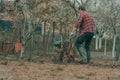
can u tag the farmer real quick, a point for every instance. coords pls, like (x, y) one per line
(86, 32)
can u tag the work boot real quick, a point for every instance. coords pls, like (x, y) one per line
(82, 61)
(88, 57)
(82, 55)
(81, 52)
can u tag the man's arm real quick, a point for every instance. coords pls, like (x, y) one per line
(77, 25)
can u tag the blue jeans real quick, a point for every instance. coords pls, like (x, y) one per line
(87, 38)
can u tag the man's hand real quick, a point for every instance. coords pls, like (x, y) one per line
(71, 34)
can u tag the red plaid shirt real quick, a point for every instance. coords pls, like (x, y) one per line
(85, 23)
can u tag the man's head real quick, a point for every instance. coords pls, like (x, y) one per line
(17, 1)
(82, 8)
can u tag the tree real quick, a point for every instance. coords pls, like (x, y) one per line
(28, 23)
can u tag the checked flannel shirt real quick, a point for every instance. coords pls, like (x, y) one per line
(85, 23)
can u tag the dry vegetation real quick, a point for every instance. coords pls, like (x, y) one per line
(13, 70)
(42, 68)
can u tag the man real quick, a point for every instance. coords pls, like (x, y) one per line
(86, 33)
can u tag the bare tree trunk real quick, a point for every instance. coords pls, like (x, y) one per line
(96, 42)
(105, 47)
(61, 36)
(53, 35)
(28, 22)
(100, 43)
(44, 32)
(44, 39)
(113, 49)
(49, 38)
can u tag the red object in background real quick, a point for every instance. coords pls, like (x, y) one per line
(7, 47)
(18, 47)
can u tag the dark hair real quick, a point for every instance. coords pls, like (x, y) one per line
(17, 1)
(82, 8)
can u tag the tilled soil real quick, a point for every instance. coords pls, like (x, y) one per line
(19, 70)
